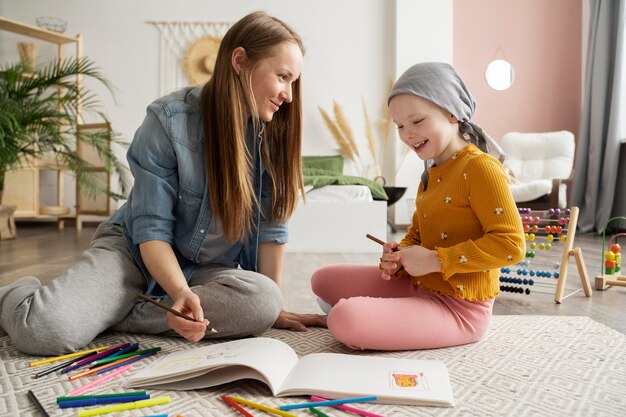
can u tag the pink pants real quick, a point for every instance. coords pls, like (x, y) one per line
(371, 313)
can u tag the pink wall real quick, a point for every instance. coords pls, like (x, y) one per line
(542, 40)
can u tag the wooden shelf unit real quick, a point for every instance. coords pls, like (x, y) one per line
(22, 185)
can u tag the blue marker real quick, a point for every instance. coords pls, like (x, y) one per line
(129, 349)
(95, 401)
(329, 402)
(130, 360)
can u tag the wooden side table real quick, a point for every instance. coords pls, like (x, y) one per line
(7, 222)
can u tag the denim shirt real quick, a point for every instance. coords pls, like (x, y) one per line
(170, 199)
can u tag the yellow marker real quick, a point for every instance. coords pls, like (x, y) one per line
(125, 406)
(68, 356)
(260, 407)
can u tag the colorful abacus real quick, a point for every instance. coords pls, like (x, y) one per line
(612, 265)
(545, 231)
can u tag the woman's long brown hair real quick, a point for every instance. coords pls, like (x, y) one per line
(227, 100)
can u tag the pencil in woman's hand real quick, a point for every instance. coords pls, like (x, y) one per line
(171, 310)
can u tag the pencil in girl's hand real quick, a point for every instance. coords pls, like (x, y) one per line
(380, 242)
(171, 310)
(375, 239)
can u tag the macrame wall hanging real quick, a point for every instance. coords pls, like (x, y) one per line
(187, 52)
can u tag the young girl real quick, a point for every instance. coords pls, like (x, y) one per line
(217, 174)
(436, 288)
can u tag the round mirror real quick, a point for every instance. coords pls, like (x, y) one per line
(499, 74)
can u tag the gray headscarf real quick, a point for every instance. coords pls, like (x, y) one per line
(439, 83)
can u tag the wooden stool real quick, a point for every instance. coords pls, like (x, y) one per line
(7, 222)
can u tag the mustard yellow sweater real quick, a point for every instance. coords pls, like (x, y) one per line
(467, 214)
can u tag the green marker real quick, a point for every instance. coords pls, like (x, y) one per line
(125, 355)
(89, 397)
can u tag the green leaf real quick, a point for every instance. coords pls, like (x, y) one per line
(39, 115)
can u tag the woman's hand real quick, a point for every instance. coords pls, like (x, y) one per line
(161, 261)
(390, 261)
(188, 303)
(298, 322)
(418, 260)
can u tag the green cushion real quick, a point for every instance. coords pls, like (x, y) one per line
(332, 163)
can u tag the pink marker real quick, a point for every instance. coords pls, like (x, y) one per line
(100, 380)
(348, 408)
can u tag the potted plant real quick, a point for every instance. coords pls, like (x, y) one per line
(40, 115)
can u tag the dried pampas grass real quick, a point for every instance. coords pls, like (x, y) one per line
(371, 140)
(345, 147)
(344, 137)
(384, 127)
(342, 133)
(344, 126)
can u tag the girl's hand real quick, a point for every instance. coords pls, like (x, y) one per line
(390, 261)
(298, 322)
(418, 260)
(188, 303)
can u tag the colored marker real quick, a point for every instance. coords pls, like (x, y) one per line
(236, 406)
(100, 355)
(123, 362)
(68, 356)
(100, 380)
(262, 407)
(318, 412)
(98, 401)
(88, 397)
(329, 402)
(62, 365)
(128, 349)
(126, 406)
(93, 370)
(110, 366)
(348, 408)
(127, 355)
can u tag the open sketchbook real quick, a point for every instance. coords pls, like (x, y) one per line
(330, 375)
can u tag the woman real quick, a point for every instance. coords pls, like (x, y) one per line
(217, 174)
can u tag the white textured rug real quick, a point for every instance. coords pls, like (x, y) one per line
(525, 366)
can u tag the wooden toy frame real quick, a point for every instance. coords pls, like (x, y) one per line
(577, 253)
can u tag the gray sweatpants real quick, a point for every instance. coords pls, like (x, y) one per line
(100, 293)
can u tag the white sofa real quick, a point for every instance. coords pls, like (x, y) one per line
(541, 167)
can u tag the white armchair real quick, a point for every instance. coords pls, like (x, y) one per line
(541, 167)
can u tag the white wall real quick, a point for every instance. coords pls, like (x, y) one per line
(423, 34)
(354, 47)
(349, 53)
